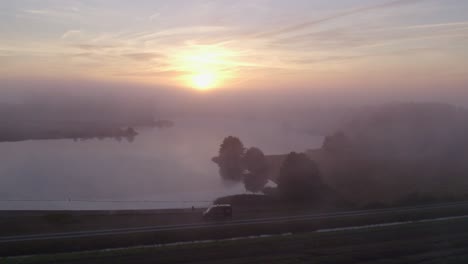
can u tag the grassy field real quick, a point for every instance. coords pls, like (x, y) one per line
(218, 232)
(431, 242)
(37, 222)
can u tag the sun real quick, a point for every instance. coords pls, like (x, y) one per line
(204, 81)
(206, 67)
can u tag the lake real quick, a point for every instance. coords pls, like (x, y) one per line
(161, 168)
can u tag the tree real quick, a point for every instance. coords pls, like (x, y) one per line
(336, 143)
(257, 168)
(299, 177)
(236, 164)
(230, 159)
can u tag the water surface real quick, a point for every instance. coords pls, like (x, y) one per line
(161, 168)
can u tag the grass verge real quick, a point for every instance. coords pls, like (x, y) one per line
(430, 242)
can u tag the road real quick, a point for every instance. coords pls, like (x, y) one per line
(229, 223)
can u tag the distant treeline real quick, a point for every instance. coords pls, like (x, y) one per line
(82, 133)
(399, 154)
(75, 119)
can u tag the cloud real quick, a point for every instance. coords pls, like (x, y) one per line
(66, 13)
(71, 34)
(154, 16)
(41, 11)
(155, 73)
(82, 55)
(452, 24)
(93, 46)
(347, 38)
(143, 56)
(351, 58)
(6, 53)
(333, 58)
(307, 24)
(181, 31)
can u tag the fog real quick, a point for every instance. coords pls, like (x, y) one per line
(171, 167)
(277, 98)
(168, 167)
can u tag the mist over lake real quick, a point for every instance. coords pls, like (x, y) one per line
(161, 168)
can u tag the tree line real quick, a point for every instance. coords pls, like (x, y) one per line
(299, 176)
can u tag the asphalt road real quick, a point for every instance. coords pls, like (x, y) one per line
(230, 223)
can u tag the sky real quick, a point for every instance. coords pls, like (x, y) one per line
(413, 48)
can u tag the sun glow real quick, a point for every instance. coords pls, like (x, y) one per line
(207, 67)
(204, 81)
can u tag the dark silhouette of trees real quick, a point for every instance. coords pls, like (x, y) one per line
(336, 143)
(237, 164)
(299, 177)
(230, 159)
(257, 167)
(130, 131)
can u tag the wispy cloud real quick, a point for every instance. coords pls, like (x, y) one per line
(143, 56)
(71, 34)
(439, 25)
(94, 47)
(55, 13)
(154, 16)
(151, 73)
(181, 31)
(346, 38)
(119, 39)
(342, 14)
